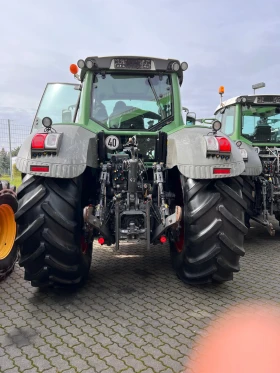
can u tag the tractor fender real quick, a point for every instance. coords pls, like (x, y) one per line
(253, 165)
(186, 149)
(77, 150)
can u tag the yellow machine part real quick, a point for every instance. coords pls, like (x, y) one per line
(7, 230)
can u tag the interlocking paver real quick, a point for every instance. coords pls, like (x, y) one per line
(78, 363)
(60, 363)
(13, 370)
(153, 363)
(137, 365)
(171, 363)
(6, 363)
(41, 363)
(134, 315)
(96, 364)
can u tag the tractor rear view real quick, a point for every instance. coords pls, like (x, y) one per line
(8, 249)
(253, 122)
(113, 161)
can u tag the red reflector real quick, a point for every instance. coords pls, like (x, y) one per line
(39, 168)
(221, 171)
(101, 240)
(224, 144)
(38, 141)
(163, 239)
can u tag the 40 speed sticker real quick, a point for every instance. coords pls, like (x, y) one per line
(112, 142)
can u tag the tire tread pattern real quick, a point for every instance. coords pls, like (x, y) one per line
(213, 240)
(49, 230)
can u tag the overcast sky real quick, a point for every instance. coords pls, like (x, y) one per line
(235, 44)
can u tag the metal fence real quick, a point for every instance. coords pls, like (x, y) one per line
(12, 136)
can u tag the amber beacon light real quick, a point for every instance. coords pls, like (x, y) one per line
(74, 68)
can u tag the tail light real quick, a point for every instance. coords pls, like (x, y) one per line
(217, 145)
(38, 141)
(163, 239)
(46, 141)
(224, 145)
(39, 168)
(212, 144)
(101, 240)
(221, 171)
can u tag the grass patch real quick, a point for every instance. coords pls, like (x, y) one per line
(15, 181)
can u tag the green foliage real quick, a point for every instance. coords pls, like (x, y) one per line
(16, 172)
(4, 161)
(15, 151)
(16, 181)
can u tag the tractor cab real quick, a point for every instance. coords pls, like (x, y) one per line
(117, 94)
(253, 119)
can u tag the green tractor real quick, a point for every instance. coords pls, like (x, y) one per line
(111, 159)
(253, 122)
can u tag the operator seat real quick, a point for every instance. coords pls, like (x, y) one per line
(100, 113)
(119, 108)
(262, 133)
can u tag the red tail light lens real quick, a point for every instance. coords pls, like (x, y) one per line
(163, 239)
(38, 141)
(224, 144)
(39, 168)
(101, 240)
(221, 171)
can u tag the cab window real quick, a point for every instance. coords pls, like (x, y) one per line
(227, 117)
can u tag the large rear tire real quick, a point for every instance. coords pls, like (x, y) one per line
(249, 198)
(8, 248)
(50, 236)
(212, 232)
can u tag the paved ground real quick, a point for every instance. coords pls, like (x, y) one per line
(134, 315)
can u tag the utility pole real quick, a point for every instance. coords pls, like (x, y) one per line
(10, 145)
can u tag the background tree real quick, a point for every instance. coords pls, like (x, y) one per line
(15, 151)
(4, 161)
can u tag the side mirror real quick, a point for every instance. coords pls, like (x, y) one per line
(66, 116)
(190, 118)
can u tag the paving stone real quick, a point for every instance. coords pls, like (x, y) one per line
(59, 363)
(12, 370)
(171, 363)
(23, 362)
(115, 363)
(153, 363)
(136, 364)
(96, 364)
(41, 363)
(6, 363)
(78, 363)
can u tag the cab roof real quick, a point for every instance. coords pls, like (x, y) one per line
(266, 99)
(133, 64)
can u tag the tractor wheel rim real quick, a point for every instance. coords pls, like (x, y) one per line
(7, 230)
